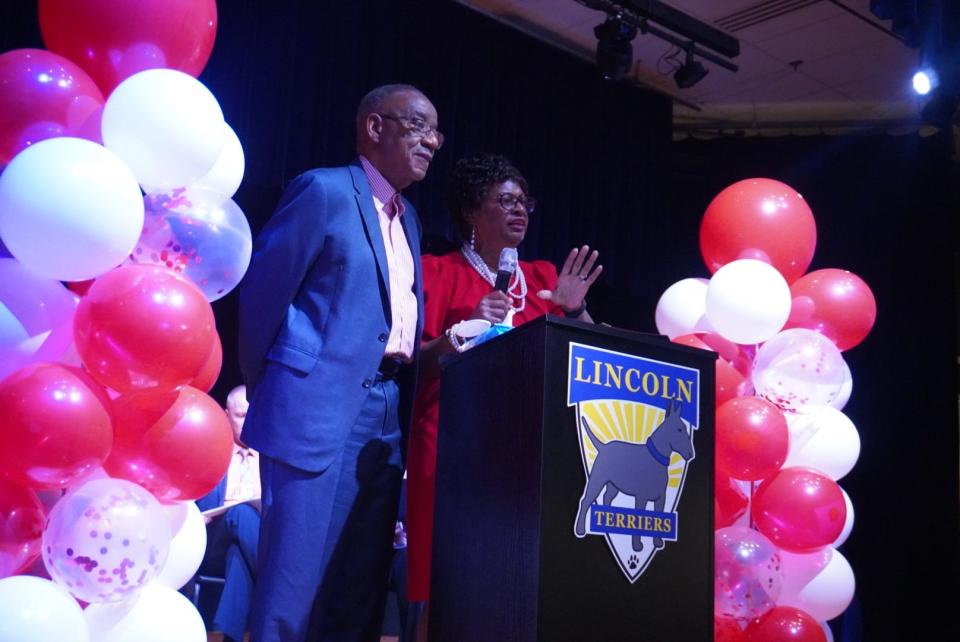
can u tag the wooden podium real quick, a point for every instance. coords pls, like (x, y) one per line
(523, 419)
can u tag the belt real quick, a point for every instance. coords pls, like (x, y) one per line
(389, 368)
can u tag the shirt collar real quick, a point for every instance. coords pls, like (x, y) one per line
(246, 451)
(380, 187)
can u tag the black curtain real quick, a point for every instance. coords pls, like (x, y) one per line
(600, 159)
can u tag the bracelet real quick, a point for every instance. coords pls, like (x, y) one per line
(453, 339)
(573, 314)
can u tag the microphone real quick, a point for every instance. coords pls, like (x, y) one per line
(505, 268)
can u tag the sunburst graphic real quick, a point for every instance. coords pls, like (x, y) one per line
(629, 421)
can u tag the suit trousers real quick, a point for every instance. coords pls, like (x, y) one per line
(326, 538)
(232, 541)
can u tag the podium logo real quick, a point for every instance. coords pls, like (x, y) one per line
(636, 420)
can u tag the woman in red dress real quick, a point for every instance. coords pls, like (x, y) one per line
(489, 202)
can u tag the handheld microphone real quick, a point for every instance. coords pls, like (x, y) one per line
(505, 268)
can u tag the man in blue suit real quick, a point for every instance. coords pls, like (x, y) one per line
(233, 537)
(330, 315)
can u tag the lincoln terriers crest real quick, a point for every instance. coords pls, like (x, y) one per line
(636, 420)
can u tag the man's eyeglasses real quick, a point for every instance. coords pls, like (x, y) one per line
(416, 125)
(509, 201)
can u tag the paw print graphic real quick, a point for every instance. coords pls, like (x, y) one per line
(633, 561)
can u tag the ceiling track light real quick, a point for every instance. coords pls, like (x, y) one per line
(626, 17)
(614, 48)
(691, 72)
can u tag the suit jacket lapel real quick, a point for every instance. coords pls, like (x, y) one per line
(371, 222)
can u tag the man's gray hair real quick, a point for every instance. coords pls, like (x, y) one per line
(373, 102)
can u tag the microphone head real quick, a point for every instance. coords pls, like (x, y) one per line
(508, 260)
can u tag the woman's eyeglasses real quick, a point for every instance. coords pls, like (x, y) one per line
(509, 201)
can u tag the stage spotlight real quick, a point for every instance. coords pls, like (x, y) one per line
(614, 51)
(924, 81)
(690, 73)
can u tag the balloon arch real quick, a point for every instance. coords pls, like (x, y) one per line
(782, 440)
(116, 210)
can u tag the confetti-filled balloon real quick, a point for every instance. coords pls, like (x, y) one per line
(799, 368)
(747, 574)
(105, 540)
(198, 233)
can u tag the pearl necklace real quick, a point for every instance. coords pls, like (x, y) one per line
(517, 283)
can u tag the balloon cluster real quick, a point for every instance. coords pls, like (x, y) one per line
(117, 214)
(782, 440)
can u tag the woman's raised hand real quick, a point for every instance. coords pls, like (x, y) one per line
(576, 276)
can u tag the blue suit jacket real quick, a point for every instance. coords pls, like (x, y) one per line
(315, 316)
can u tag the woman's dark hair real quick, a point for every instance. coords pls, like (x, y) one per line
(471, 179)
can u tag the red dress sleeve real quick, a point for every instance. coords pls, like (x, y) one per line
(437, 292)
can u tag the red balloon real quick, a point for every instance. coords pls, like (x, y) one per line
(757, 217)
(799, 509)
(752, 438)
(729, 502)
(211, 368)
(114, 39)
(177, 445)
(43, 95)
(726, 629)
(784, 624)
(56, 425)
(143, 327)
(836, 303)
(21, 527)
(729, 382)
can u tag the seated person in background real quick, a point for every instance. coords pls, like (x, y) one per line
(233, 536)
(490, 204)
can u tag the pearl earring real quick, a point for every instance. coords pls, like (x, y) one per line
(473, 238)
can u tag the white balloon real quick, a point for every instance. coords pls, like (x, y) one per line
(682, 308)
(227, 173)
(158, 613)
(70, 209)
(748, 301)
(36, 317)
(33, 609)
(848, 524)
(166, 125)
(820, 583)
(187, 546)
(823, 438)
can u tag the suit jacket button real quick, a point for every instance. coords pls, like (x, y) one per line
(367, 383)
(382, 338)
